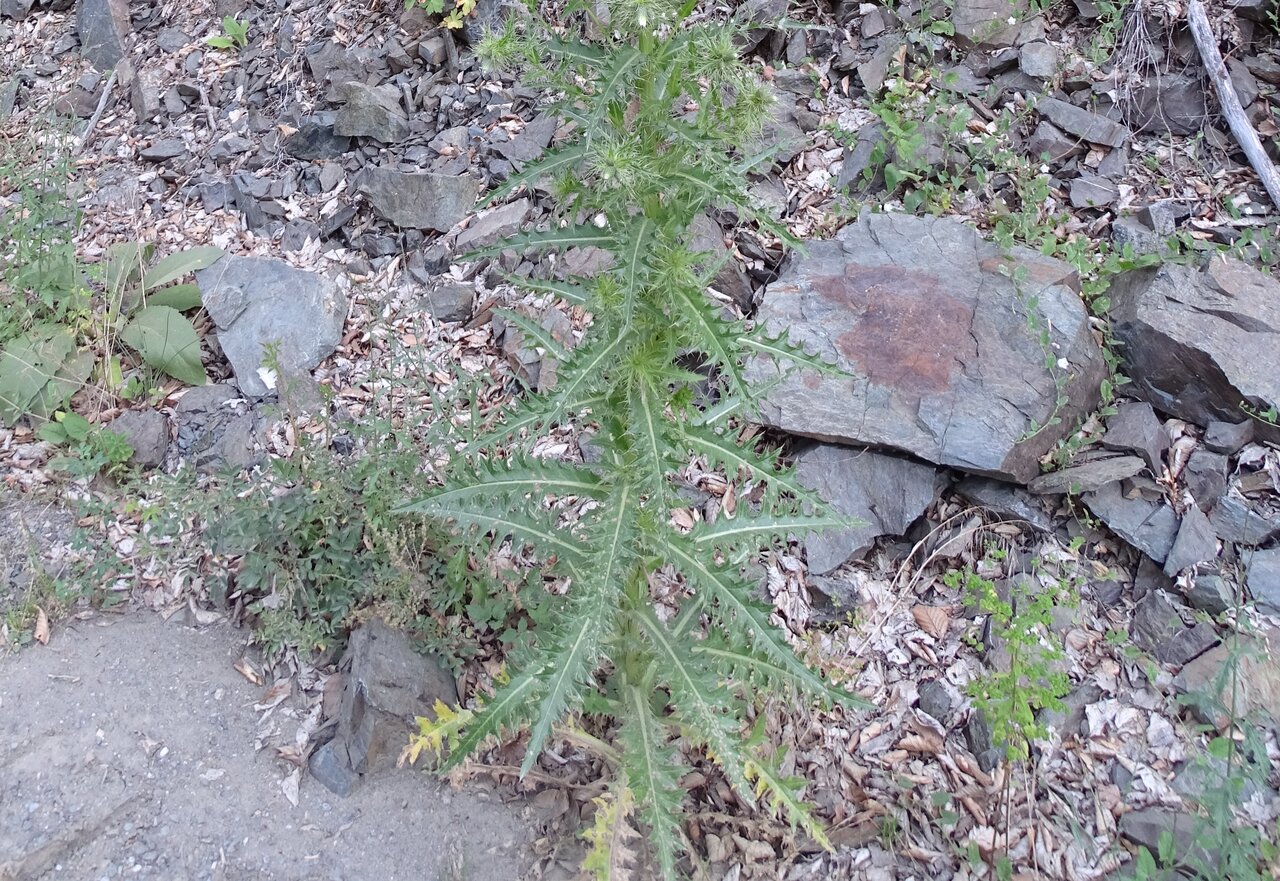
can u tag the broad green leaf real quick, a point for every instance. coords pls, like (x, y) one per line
(179, 296)
(29, 373)
(175, 266)
(167, 342)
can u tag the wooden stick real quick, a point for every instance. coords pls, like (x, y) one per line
(1246, 137)
(97, 114)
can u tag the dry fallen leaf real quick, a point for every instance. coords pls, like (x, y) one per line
(933, 620)
(245, 669)
(42, 627)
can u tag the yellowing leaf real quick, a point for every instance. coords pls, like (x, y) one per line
(42, 627)
(453, 20)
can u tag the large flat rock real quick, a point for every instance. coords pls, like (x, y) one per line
(258, 303)
(1199, 343)
(930, 323)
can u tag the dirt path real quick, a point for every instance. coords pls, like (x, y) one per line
(127, 751)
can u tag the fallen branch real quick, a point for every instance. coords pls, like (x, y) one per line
(97, 113)
(1246, 137)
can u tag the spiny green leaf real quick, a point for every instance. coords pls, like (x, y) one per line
(700, 702)
(539, 477)
(739, 614)
(548, 536)
(550, 164)
(569, 237)
(508, 711)
(762, 528)
(536, 332)
(784, 794)
(734, 457)
(572, 290)
(649, 765)
(612, 855)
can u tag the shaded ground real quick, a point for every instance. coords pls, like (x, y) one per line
(127, 750)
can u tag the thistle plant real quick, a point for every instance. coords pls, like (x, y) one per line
(664, 117)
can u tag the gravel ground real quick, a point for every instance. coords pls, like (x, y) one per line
(127, 751)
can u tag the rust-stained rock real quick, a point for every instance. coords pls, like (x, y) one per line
(930, 322)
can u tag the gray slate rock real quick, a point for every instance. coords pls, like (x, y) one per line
(1159, 630)
(258, 301)
(1206, 477)
(887, 493)
(1195, 543)
(496, 223)
(1005, 500)
(922, 317)
(1257, 681)
(296, 233)
(217, 429)
(162, 150)
(316, 139)
(385, 685)
(1210, 593)
(16, 9)
(732, 281)
(147, 431)
(1038, 59)
(102, 26)
(1228, 437)
(529, 144)
(1198, 344)
(1235, 521)
(935, 700)
(1151, 527)
(1170, 102)
(1263, 579)
(1136, 429)
(1148, 827)
(1049, 140)
(1086, 477)
(985, 24)
(371, 112)
(450, 302)
(420, 200)
(1093, 191)
(1080, 122)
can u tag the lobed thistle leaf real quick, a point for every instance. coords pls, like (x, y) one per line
(612, 838)
(650, 767)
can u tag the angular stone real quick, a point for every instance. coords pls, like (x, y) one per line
(332, 770)
(1206, 478)
(420, 200)
(870, 139)
(1256, 685)
(159, 151)
(1150, 827)
(1135, 428)
(296, 233)
(144, 95)
(529, 144)
(1004, 500)
(1087, 477)
(1080, 122)
(988, 24)
(450, 302)
(315, 139)
(922, 316)
(886, 493)
(1052, 142)
(1159, 630)
(935, 700)
(102, 26)
(1149, 526)
(16, 9)
(487, 16)
(1210, 593)
(217, 429)
(732, 281)
(257, 302)
(386, 685)
(1132, 233)
(1228, 437)
(496, 223)
(1038, 59)
(371, 112)
(1170, 102)
(1235, 521)
(1195, 543)
(1263, 578)
(1093, 191)
(147, 431)
(1198, 344)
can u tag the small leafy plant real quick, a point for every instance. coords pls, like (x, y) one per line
(665, 118)
(235, 34)
(91, 449)
(454, 18)
(43, 367)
